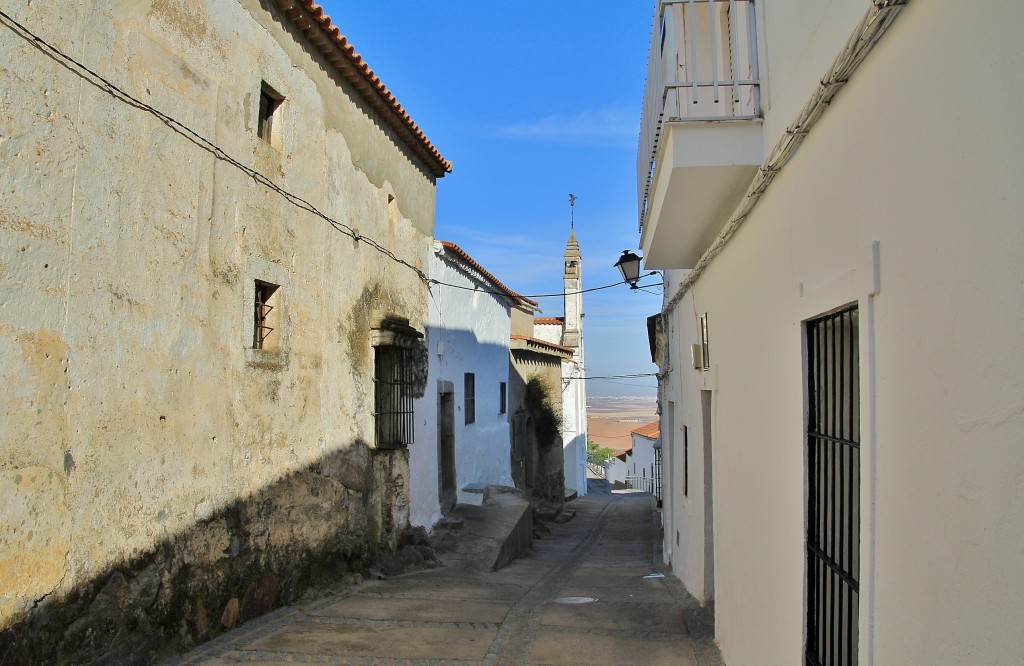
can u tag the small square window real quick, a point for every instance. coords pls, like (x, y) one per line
(266, 333)
(470, 398)
(270, 101)
(502, 397)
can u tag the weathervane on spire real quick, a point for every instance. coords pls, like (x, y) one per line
(572, 205)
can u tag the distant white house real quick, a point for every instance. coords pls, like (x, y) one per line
(462, 419)
(616, 467)
(638, 466)
(641, 466)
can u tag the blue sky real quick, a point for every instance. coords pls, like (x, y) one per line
(530, 101)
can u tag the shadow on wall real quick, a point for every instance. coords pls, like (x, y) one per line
(541, 471)
(307, 530)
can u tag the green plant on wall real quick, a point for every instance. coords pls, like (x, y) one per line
(546, 413)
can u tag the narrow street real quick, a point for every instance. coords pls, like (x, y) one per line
(535, 611)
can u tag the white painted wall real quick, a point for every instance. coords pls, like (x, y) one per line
(467, 331)
(641, 461)
(615, 469)
(574, 423)
(903, 157)
(548, 332)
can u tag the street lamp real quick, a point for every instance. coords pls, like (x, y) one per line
(629, 265)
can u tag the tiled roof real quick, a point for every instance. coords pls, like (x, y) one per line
(650, 431)
(459, 252)
(537, 342)
(547, 320)
(311, 19)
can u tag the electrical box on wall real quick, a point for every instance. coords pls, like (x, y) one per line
(697, 353)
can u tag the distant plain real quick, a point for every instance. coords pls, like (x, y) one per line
(610, 420)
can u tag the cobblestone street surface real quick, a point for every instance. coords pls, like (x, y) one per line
(523, 614)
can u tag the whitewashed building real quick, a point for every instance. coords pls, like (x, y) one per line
(464, 413)
(641, 461)
(832, 191)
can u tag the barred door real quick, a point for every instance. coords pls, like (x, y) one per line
(833, 481)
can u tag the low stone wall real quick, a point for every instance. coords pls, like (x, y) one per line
(310, 529)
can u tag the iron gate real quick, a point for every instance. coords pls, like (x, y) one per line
(833, 482)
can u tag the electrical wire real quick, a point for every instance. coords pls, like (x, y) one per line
(554, 295)
(102, 83)
(876, 21)
(98, 81)
(647, 386)
(634, 376)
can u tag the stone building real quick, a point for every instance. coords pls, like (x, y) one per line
(833, 193)
(535, 379)
(212, 316)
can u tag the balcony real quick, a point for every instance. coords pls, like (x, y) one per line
(700, 137)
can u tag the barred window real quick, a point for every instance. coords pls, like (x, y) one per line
(393, 397)
(470, 397)
(266, 315)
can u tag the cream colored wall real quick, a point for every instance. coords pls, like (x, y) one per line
(902, 158)
(134, 410)
(797, 42)
(682, 394)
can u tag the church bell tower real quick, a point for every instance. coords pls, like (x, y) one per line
(573, 285)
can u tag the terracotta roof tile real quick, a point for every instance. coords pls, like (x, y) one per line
(650, 431)
(547, 320)
(543, 343)
(459, 252)
(311, 19)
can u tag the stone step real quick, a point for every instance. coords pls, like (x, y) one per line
(491, 535)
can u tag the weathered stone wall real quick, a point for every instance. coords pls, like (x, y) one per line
(163, 480)
(534, 379)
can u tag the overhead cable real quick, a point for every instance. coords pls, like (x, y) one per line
(876, 21)
(97, 80)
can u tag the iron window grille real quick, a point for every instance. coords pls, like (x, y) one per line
(470, 398)
(833, 482)
(393, 397)
(656, 474)
(262, 315)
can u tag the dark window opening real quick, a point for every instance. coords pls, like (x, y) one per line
(705, 358)
(470, 398)
(270, 101)
(392, 398)
(686, 462)
(266, 315)
(502, 397)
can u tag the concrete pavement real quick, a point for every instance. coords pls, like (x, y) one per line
(535, 611)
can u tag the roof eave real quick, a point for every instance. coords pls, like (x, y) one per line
(310, 18)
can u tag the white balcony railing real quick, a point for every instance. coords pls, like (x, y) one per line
(702, 67)
(645, 484)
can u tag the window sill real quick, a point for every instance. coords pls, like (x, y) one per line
(267, 359)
